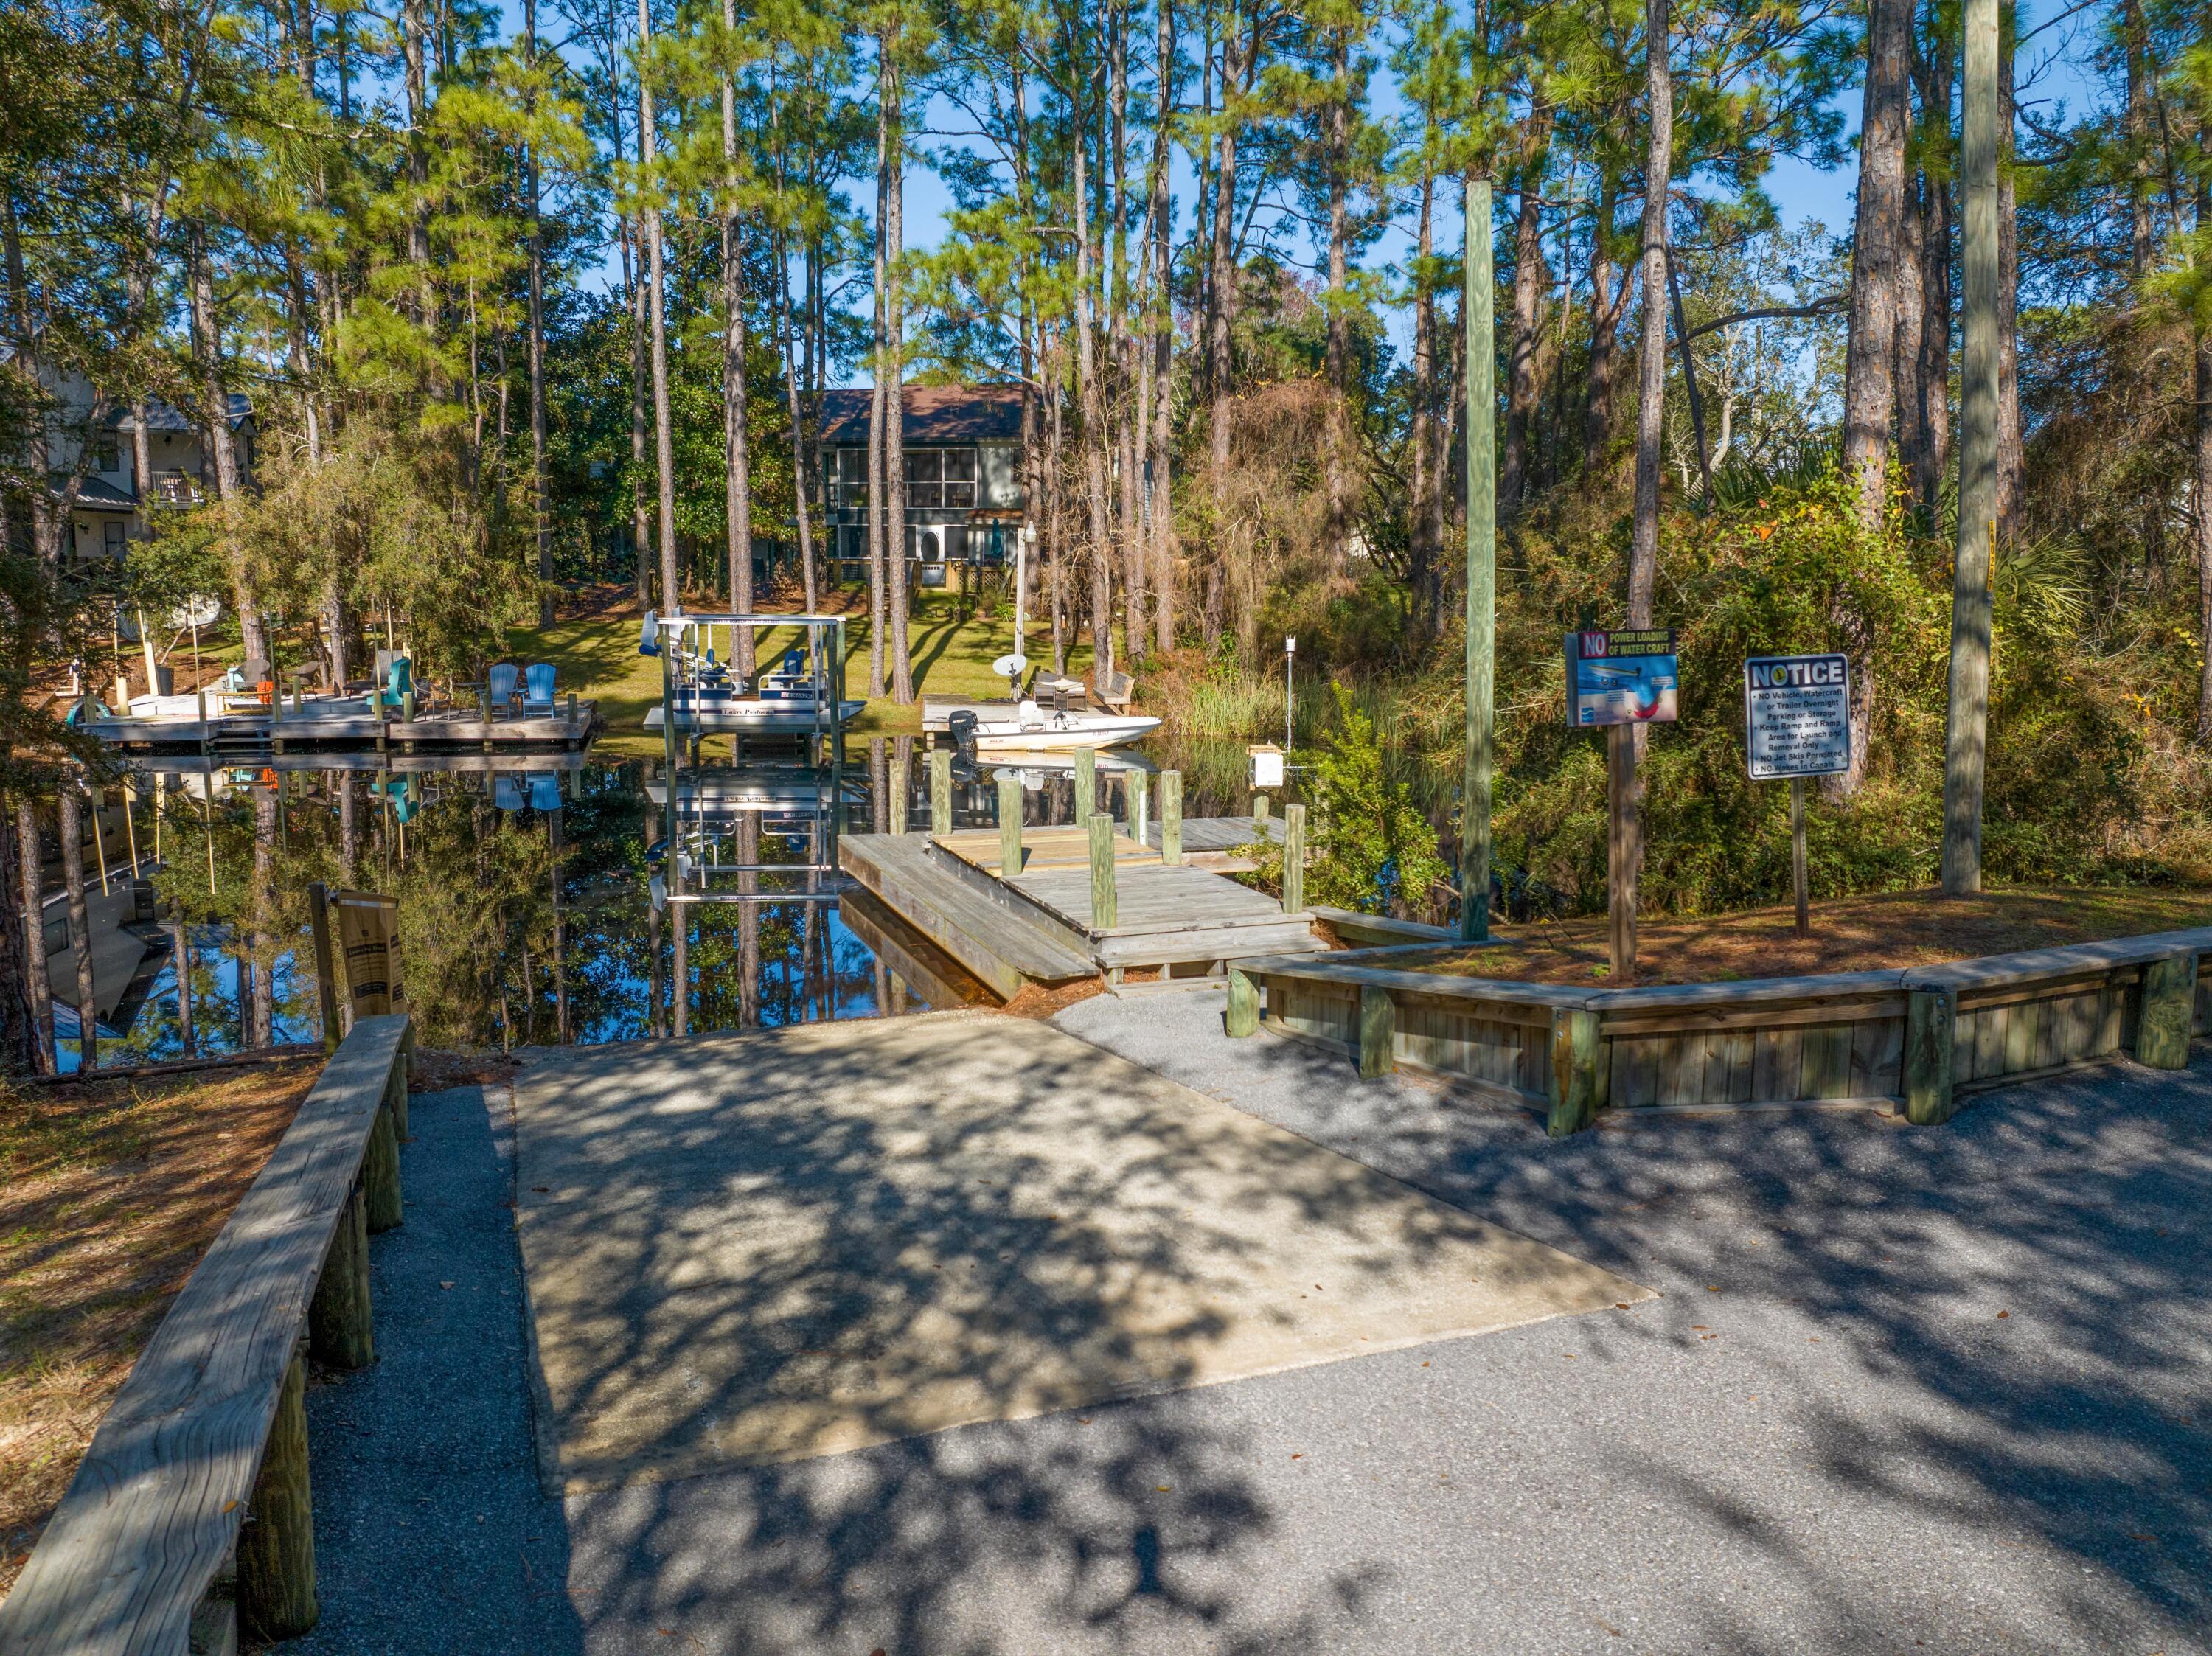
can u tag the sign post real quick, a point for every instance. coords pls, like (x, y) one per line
(1620, 681)
(1797, 723)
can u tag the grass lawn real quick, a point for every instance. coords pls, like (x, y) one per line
(1850, 934)
(595, 648)
(109, 1193)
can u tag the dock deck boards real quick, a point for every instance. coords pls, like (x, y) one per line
(1002, 947)
(1038, 927)
(1042, 848)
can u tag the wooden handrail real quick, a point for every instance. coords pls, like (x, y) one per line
(157, 1504)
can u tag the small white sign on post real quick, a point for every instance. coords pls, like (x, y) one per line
(1797, 716)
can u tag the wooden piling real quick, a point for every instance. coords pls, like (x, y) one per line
(326, 983)
(340, 1333)
(1579, 1072)
(1087, 784)
(1010, 824)
(1105, 906)
(902, 786)
(1294, 859)
(379, 1171)
(1140, 806)
(1243, 1003)
(276, 1546)
(940, 790)
(1930, 1018)
(1172, 818)
(2169, 1008)
(1259, 816)
(1378, 1031)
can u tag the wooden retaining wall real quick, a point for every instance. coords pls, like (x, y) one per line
(201, 1462)
(1913, 1039)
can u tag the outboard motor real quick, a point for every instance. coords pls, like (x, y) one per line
(961, 725)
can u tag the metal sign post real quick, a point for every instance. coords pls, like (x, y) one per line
(1797, 723)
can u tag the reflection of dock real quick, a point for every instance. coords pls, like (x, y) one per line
(1039, 926)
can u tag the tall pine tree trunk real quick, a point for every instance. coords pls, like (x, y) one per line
(1336, 349)
(2203, 482)
(738, 485)
(215, 426)
(1094, 433)
(1606, 301)
(2010, 449)
(1127, 399)
(1870, 355)
(1932, 382)
(1162, 315)
(541, 522)
(1532, 280)
(1421, 550)
(40, 990)
(656, 275)
(1221, 318)
(1651, 353)
(896, 600)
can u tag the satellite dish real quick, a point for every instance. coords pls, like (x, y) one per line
(1010, 666)
(199, 610)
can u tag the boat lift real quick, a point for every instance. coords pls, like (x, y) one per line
(804, 697)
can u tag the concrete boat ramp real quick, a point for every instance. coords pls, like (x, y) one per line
(751, 1249)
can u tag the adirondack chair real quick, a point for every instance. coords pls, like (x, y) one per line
(501, 688)
(544, 791)
(507, 792)
(538, 688)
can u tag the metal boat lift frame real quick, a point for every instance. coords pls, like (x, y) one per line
(825, 655)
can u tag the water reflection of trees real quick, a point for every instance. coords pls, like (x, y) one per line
(522, 920)
(496, 906)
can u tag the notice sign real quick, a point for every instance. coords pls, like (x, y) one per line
(1797, 716)
(368, 937)
(1621, 678)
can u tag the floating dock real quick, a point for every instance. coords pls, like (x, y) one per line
(1037, 925)
(244, 735)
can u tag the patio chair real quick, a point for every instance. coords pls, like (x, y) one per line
(507, 791)
(545, 790)
(501, 688)
(538, 688)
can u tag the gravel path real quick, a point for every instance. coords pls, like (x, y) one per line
(1941, 1390)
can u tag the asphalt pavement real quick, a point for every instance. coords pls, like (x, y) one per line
(1904, 1389)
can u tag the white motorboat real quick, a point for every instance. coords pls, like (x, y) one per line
(1030, 726)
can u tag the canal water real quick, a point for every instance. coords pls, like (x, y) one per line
(530, 906)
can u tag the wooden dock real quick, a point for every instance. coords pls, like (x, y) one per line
(234, 735)
(1038, 926)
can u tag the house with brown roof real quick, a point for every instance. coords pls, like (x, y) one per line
(963, 474)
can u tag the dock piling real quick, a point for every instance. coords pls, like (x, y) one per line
(1172, 818)
(1140, 806)
(1087, 784)
(1294, 859)
(901, 786)
(1105, 907)
(940, 790)
(1010, 824)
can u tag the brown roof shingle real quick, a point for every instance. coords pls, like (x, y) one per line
(934, 414)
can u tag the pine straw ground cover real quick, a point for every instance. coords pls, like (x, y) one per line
(110, 1191)
(1851, 934)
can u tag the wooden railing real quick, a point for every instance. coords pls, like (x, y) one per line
(1912, 1039)
(202, 1458)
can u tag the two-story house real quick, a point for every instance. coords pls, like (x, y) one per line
(963, 476)
(180, 470)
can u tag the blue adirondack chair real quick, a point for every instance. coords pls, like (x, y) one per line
(502, 687)
(545, 790)
(507, 792)
(538, 688)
